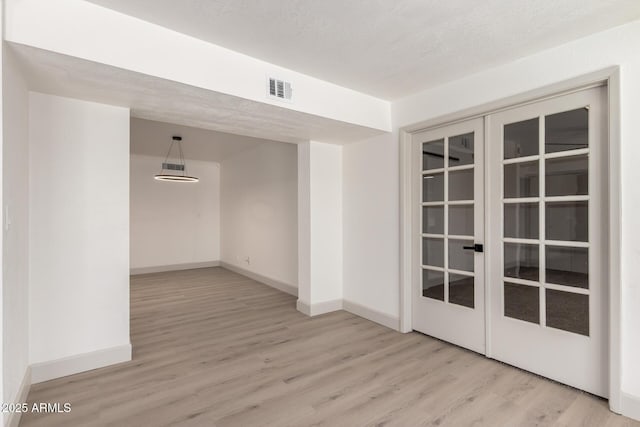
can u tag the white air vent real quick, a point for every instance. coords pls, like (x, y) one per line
(278, 89)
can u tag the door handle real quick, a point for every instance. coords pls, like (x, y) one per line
(476, 247)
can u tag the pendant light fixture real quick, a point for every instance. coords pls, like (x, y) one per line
(175, 172)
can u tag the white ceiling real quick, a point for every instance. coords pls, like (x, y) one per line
(387, 48)
(153, 138)
(162, 100)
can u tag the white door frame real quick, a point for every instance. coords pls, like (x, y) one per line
(610, 77)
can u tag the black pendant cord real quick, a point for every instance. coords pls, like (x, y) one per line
(175, 140)
(182, 162)
(165, 160)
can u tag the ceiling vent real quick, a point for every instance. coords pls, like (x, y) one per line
(279, 89)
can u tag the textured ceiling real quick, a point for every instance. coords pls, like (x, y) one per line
(386, 48)
(162, 100)
(153, 139)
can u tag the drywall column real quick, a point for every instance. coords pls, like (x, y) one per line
(319, 228)
(2, 420)
(15, 234)
(79, 236)
(304, 227)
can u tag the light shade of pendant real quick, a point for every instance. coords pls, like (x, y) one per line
(175, 178)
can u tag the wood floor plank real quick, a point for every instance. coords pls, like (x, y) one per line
(214, 348)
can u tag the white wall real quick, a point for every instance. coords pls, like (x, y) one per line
(371, 224)
(79, 228)
(379, 157)
(259, 211)
(15, 201)
(2, 240)
(174, 223)
(174, 56)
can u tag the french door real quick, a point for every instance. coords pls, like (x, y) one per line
(448, 298)
(545, 252)
(548, 294)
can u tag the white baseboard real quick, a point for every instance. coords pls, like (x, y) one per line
(303, 307)
(21, 397)
(45, 371)
(630, 406)
(326, 307)
(371, 314)
(319, 308)
(353, 308)
(173, 267)
(281, 286)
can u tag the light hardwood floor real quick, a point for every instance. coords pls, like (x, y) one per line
(213, 348)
